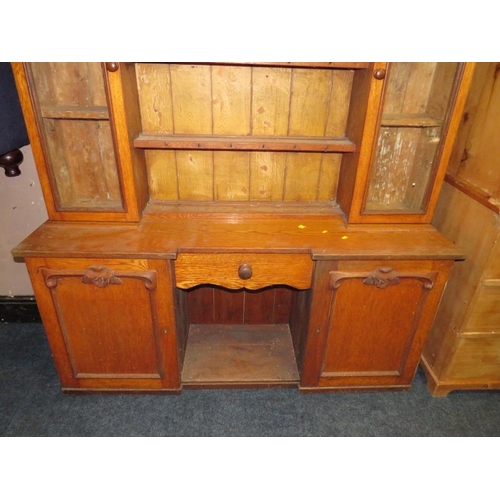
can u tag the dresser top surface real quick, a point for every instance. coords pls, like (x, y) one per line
(165, 237)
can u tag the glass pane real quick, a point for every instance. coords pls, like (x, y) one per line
(417, 100)
(71, 105)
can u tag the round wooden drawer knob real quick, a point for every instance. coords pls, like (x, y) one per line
(379, 74)
(245, 271)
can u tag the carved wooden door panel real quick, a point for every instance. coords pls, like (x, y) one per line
(369, 322)
(110, 324)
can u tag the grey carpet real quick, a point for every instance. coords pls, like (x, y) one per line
(31, 404)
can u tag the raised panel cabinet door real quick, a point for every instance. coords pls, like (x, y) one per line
(110, 324)
(369, 321)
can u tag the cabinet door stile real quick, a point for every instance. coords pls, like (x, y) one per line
(317, 335)
(367, 145)
(48, 313)
(30, 119)
(126, 124)
(454, 123)
(362, 124)
(163, 310)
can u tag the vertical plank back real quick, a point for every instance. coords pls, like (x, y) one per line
(249, 101)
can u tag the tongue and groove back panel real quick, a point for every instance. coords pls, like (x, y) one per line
(243, 101)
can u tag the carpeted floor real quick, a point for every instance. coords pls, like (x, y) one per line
(32, 405)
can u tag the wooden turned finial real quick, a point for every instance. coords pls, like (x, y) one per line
(10, 162)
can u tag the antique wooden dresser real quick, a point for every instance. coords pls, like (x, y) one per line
(240, 224)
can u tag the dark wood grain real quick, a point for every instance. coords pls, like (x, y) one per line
(259, 307)
(228, 306)
(268, 306)
(201, 304)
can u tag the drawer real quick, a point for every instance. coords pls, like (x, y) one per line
(477, 357)
(243, 270)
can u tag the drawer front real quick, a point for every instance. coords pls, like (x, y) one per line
(243, 270)
(477, 357)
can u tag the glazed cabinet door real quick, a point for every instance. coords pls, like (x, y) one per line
(369, 322)
(110, 324)
(78, 130)
(414, 110)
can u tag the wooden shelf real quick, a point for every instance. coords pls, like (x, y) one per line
(242, 209)
(410, 120)
(75, 112)
(240, 355)
(319, 65)
(247, 143)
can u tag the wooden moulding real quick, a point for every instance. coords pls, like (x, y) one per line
(34, 136)
(242, 210)
(474, 192)
(320, 65)
(382, 277)
(362, 128)
(247, 143)
(100, 276)
(441, 388)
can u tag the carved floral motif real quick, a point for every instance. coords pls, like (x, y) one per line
(100, 276)
(382, 278)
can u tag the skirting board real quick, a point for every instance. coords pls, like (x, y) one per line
(20, 309)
